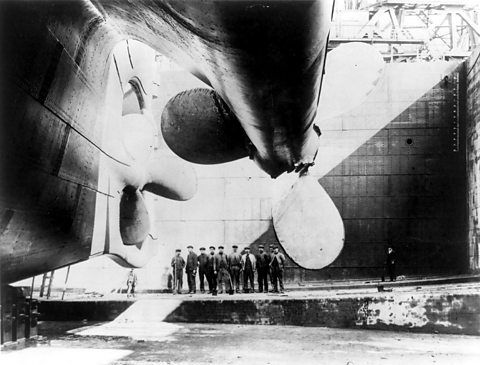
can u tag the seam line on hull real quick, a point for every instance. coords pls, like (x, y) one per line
(129, 55)
(118, 74)
(50, 73)
(75, 129)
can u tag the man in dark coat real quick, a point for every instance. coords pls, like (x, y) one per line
(212, 272)
(178, 263)
(248, 268)
(202, 269)
(278, 265)
(234, 260)
(263, 266)
(390, 263)
(191, 269)
(223, 276)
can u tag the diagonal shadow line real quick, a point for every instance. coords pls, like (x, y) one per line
(345, 134)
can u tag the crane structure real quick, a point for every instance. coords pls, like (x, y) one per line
(410, 30)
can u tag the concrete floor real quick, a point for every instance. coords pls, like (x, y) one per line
(242, 344)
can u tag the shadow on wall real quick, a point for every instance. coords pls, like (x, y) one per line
(404, 186)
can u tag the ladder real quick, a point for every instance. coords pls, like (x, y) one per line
(47, 277)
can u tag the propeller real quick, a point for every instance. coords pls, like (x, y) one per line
(150, 170)
(137, 166)
(199, 127)
(307, 223)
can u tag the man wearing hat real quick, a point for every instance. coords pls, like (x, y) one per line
(223, 276)
(234, 260)
(178, 263)
(277, 264)
(263, 266)
(202, 269)
(191, 269)
(212, 272)
(248, 267)
(390, 264)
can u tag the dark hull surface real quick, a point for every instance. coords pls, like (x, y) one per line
(265, 59)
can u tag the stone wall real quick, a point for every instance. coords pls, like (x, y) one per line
(414, 312)
(427, 313)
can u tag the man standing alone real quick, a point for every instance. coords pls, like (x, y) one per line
(202, 269)
(277, 264)
(263, 261)
(131, 283)
(234, 260)
(178, 263)
(248, 267)
(390, 263)
(191, 269)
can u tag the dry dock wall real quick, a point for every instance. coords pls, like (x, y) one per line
(405, 185)
(473, 158)
(427, 313)
(414, 312)
(394, 166)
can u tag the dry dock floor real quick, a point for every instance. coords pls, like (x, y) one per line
(244, 344)
(139, 336)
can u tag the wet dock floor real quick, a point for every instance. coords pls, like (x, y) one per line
(63, 343)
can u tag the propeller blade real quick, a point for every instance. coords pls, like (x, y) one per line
(138, 136)
(308, 224)
(171, 178)
(352, 71)
(199, 127)
(134, 219)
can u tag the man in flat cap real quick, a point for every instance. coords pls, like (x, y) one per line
(202, 269)
(191, 269)
(278, 265)
(212, 272)
(223, 276)
(263, 266)
(178, 263)
(234, 260)
(248, 267)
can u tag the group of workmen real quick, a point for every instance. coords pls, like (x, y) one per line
(223, 271)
